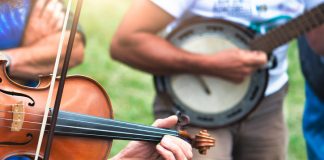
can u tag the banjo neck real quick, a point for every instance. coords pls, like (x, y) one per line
(294, 28)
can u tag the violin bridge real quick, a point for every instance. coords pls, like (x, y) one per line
(18, 116)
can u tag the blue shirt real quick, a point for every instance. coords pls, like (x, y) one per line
(12, 24)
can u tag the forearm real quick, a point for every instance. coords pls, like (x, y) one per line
(155, 55)
(316, 40)
(38, 59)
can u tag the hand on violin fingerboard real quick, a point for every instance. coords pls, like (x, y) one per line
(170, 148)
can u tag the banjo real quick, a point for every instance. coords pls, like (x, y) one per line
(214, 102)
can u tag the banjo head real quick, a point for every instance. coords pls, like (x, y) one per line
(210, 101)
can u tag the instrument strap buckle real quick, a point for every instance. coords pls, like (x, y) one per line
(272, 63)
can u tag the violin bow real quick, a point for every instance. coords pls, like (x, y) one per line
(61, 82)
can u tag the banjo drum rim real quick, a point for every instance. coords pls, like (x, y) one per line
(160, 81)
(201, 20)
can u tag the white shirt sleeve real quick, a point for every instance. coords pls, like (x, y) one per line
(309, 4)
(176, 8)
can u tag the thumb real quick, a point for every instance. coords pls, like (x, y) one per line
(166, 122)
(257, 58)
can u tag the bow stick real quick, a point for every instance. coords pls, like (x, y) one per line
(62, 80)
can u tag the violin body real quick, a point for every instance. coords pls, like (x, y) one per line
(81, 95)
(84, 129)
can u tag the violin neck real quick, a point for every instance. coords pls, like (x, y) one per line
(73, 124)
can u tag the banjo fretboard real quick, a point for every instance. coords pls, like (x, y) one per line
(294, 28)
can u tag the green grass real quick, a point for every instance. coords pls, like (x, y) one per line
(294, 107)
(132, 91)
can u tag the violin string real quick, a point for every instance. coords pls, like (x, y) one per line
(138, 125)
(98, 118)
(99, 130)
(110, 131)
(34, 114)
(112, 137)
(97, 135)
(121, 122)
(6, 119)
(28, 129)
(121, 127)
(162, 131)
(107, 131)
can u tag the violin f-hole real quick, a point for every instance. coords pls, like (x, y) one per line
(29, 137)
(31, 104)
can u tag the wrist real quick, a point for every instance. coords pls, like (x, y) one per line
(193, 63)
(202, 64)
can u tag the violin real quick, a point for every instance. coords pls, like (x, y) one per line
(85, 127)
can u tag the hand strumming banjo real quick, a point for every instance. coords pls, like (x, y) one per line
(214, 102)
